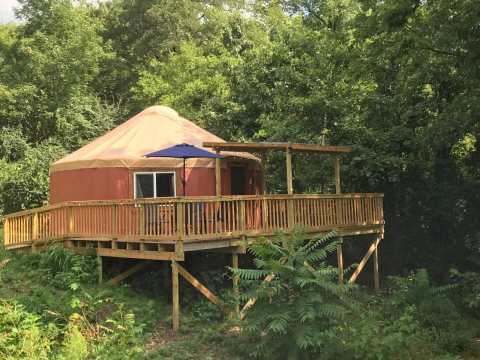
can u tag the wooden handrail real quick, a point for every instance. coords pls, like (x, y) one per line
(188, 199)
(191, 218)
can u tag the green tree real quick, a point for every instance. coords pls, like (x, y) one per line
(297, 313)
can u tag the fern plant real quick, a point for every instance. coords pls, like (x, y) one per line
(296, 313)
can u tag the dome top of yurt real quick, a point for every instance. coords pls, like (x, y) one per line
(154, 128)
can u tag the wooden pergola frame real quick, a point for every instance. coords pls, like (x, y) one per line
(289, 148)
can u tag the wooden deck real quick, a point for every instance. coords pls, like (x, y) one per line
(166, 228)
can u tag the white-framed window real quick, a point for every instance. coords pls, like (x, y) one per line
(154, 184)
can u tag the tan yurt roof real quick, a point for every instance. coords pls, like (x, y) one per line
(155, 128)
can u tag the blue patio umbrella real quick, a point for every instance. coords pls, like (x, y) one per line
(183, 151)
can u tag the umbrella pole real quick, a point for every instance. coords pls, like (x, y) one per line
(184, 180)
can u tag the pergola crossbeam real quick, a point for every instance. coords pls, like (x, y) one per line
(266, 146)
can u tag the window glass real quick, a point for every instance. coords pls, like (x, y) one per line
(144, 186)
(165, 186)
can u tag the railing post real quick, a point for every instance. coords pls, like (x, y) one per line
(291, 212)
(264, 213)
(241, 216)
(142, 220)
(70, 221)
(6, 232)
(35, 227)
(180, 229)
(114, 220)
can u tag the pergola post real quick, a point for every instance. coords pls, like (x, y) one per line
(338, 190)
(264, 161)
(288, 158)
(218, 175)
(290, 208)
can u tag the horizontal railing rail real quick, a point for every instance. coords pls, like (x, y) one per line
(192, 218)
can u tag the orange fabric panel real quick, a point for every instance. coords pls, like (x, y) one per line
(117, 183)
(89, 184)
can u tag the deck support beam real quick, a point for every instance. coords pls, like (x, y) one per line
(252, 301)
(122, 276)
(373, 247)
(100, 268)
(376, 277)
(340, 260)
(175, 297)
(236, 291)
(198, 285)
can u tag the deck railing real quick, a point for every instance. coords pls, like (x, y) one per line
(202, 218)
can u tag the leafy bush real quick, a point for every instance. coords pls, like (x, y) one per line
(433, 308)
(468, 290)
(121, 337)
(74, 346)
(22, 335)
(297, 313)
(64, 268)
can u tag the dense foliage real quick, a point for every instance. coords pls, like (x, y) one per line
(303, 313)
(52, 308)
(297, 312)
(395, 79)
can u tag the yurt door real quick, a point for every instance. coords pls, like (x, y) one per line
(238, 178)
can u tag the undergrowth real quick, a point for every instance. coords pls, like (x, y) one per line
(52, 308)
(302, 313)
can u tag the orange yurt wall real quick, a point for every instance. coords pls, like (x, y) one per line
(117, 183)
(90, 184)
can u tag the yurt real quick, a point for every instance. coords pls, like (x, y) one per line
(114, 166)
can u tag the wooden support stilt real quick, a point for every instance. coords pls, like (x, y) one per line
(362, 264)
(252, 301)
(175, 297)
(340, 261)
(236, 291)
(122, 276)
(100, 268)
(376, 276)
(197, 285)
